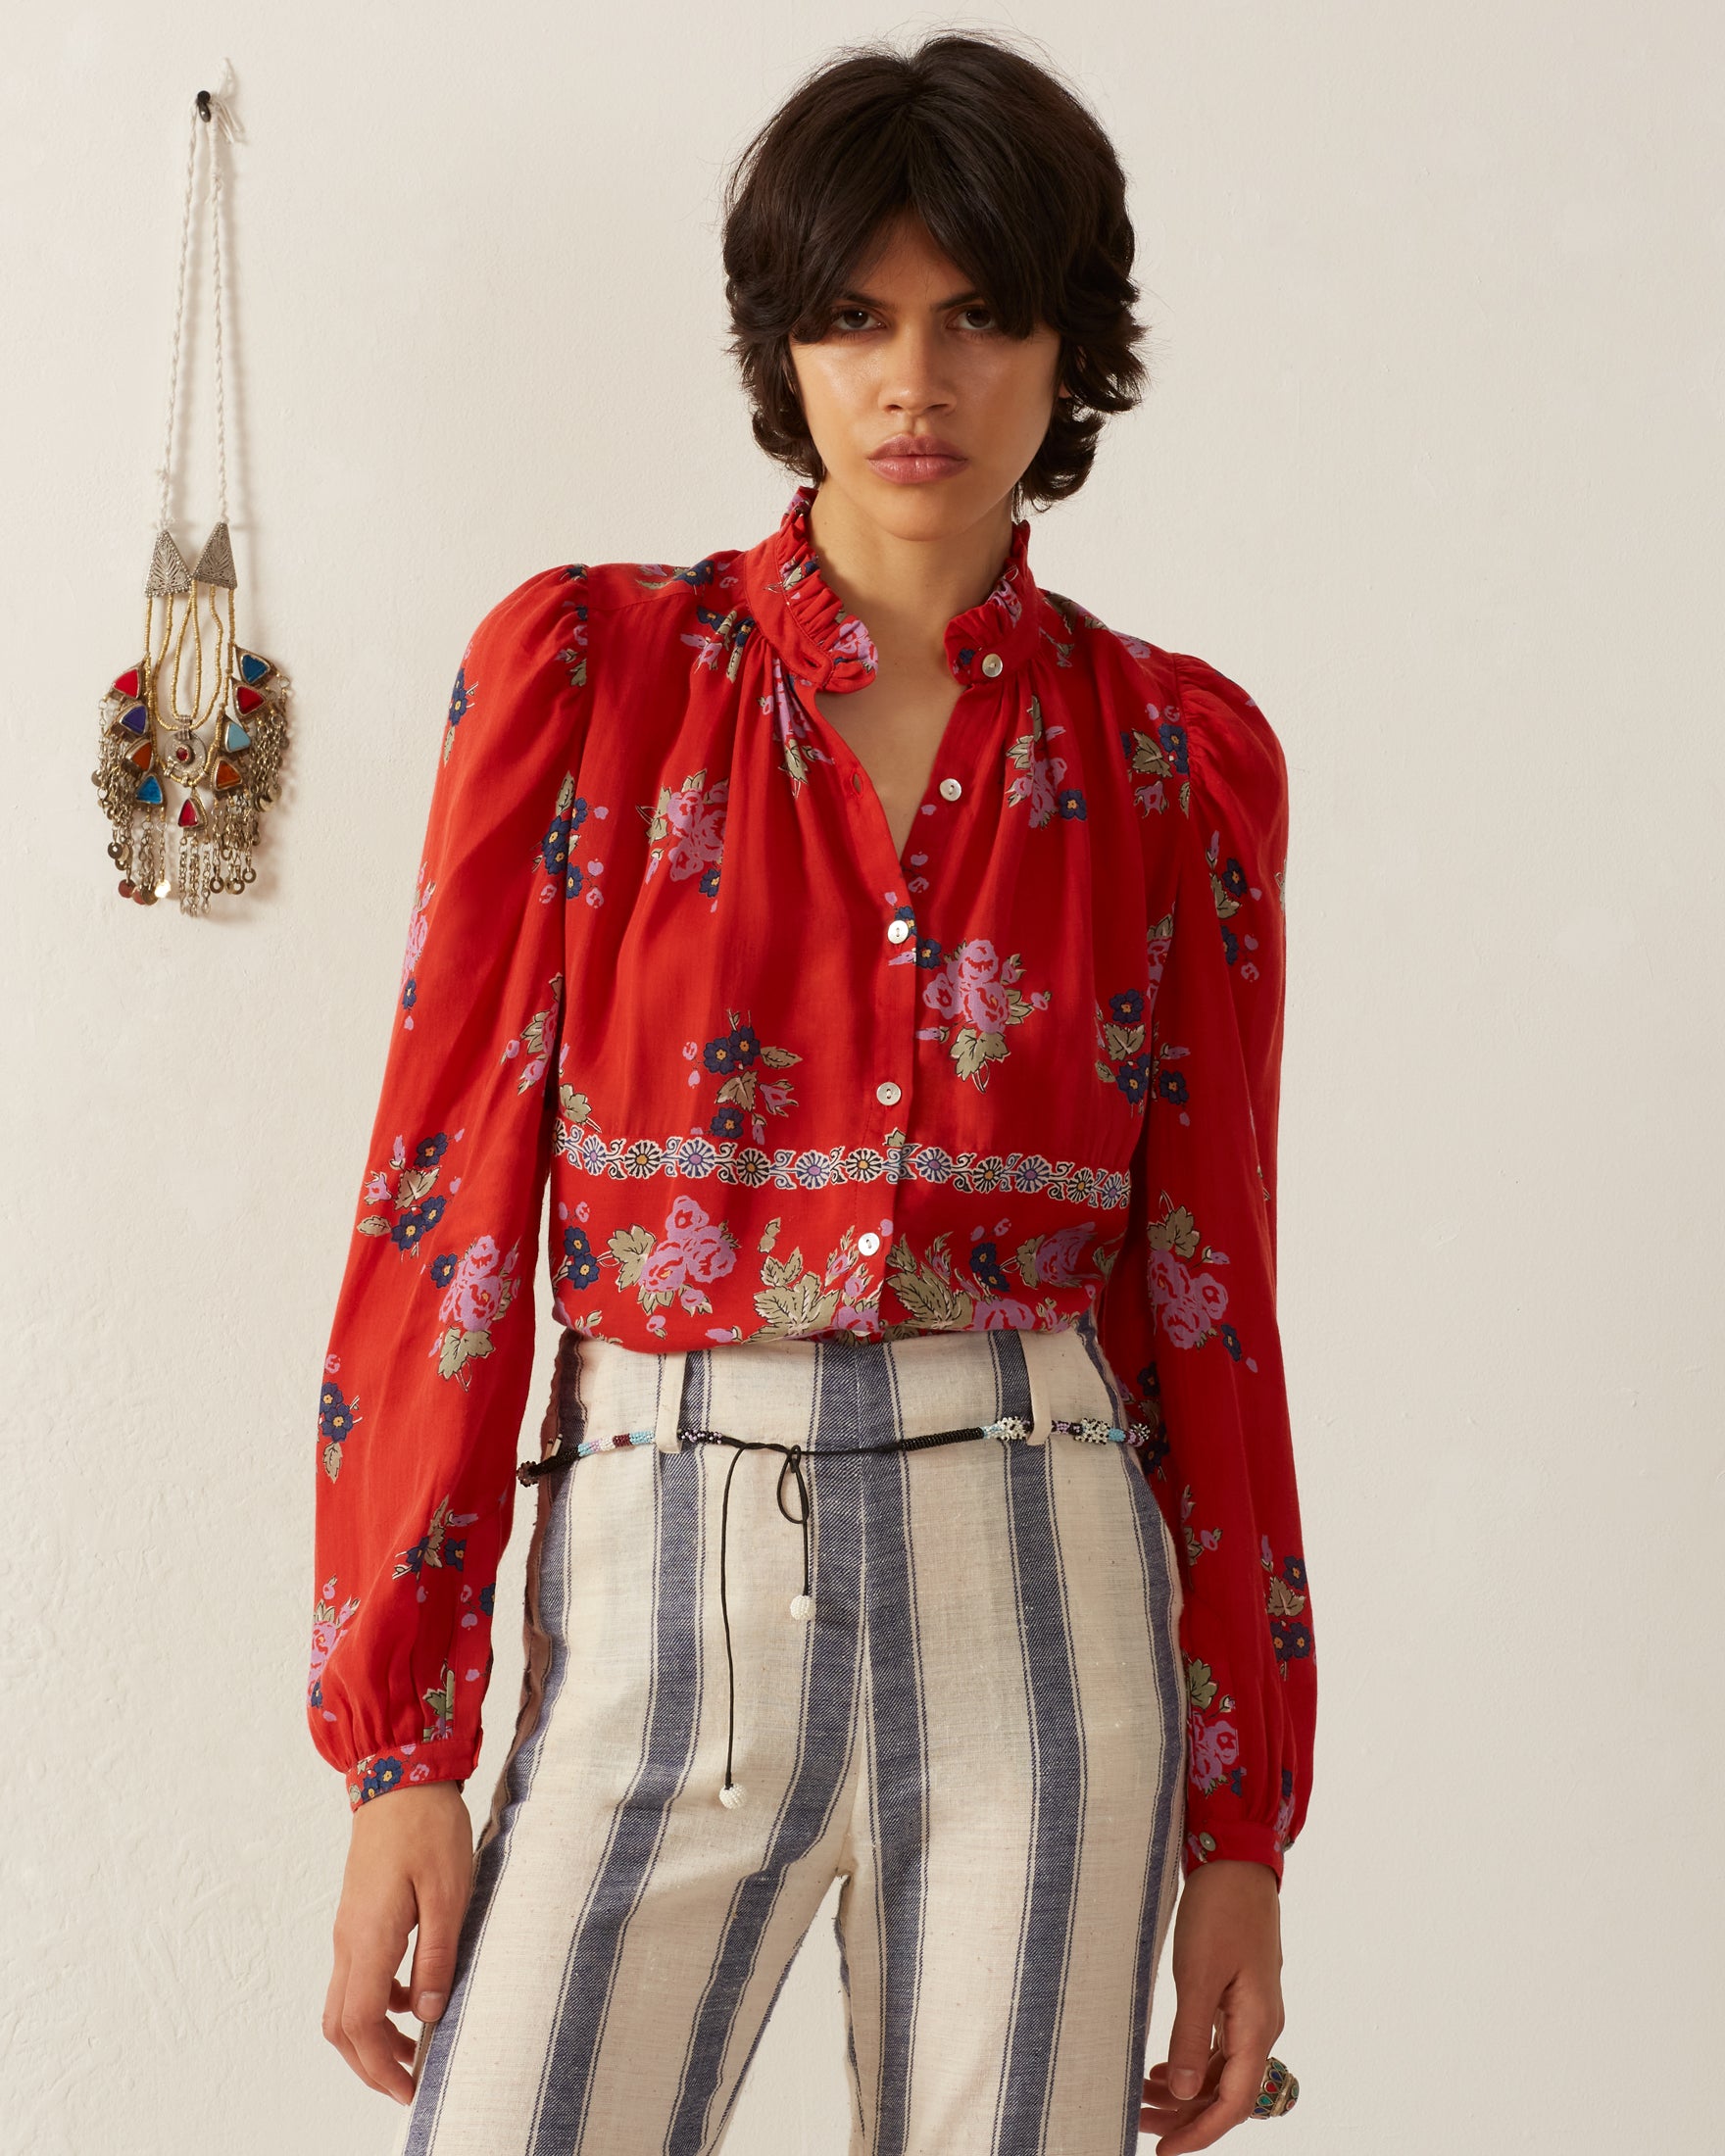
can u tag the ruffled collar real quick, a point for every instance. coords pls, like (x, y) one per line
(825, 648)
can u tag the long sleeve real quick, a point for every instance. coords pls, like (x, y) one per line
(1189, 1319)
(432, 1345)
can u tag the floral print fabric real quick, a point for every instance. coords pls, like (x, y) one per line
(780, 1078)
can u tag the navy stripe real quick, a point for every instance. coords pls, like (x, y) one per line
(493, 1854)
(831, 1668)
(1058, 1783)
(898, 1754)
(1165, 1849)
(637, 1822)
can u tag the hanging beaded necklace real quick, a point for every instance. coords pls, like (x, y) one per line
(195, 729)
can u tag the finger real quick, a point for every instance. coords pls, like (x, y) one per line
(1192, 2040)
(332, 2028)
(435, 1948)
(367, 2026)
(1159, 2095)
(1161, 2111)
(1236, 2092)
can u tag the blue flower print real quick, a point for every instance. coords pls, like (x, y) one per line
(733, 1051)
(381, 1774)
(1069, 802)
(335, 1418)
(1133, 1078)
(460, 697)
(430, 1150)
(1171, 736)
(579, 1266)
(413, 1225)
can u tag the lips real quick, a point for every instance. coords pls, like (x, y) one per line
(908, 460)
(916, 445)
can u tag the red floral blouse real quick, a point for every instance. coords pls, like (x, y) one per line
(785, 1080)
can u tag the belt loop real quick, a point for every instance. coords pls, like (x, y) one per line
(672, 1365)
(1035, 1346)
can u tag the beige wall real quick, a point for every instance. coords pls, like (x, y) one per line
(1432, 464)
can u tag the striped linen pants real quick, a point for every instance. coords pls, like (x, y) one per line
(978, 1725)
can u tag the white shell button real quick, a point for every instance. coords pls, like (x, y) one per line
(886, 1091)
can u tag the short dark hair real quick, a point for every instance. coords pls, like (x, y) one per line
(1016, 180)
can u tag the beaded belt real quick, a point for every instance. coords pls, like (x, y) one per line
(1008, 1428)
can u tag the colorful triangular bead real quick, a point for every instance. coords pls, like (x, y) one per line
(191, 814)
(133, 719)
(248, 700)
(130, 683)
(226, 774)
(150, 791)
(143, 756)
(235, 738)
(250, 669)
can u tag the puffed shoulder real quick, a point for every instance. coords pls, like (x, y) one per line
(1238, 771)
(539, 607)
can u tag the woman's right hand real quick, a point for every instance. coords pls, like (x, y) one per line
(410, 1865)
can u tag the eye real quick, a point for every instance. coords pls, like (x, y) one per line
(978, 307)
(840, 313)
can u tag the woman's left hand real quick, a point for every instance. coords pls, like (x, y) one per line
(1227, 1969)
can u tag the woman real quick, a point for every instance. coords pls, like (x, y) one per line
(882, 957)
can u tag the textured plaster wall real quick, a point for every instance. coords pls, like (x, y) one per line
(1432, 464)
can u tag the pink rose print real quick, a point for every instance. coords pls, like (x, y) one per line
(476, 1294)
(1189, 1306)
(978, 990)
(692, 1251)
(686, 830)
(1216, 1747)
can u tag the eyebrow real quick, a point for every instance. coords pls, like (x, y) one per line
(956, 299)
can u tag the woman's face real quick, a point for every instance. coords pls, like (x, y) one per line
(910, 350)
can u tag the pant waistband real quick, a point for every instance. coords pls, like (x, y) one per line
(782, 1390)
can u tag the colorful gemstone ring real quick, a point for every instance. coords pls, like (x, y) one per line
(1277, 2092)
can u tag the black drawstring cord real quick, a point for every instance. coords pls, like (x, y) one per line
(804, 1604)
(794, 1456)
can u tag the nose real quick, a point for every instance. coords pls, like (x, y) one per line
(914, 372)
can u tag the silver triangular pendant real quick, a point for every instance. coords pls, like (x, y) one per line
(169, 574)
(215, 566)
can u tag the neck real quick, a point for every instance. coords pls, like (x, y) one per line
(905, 590)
